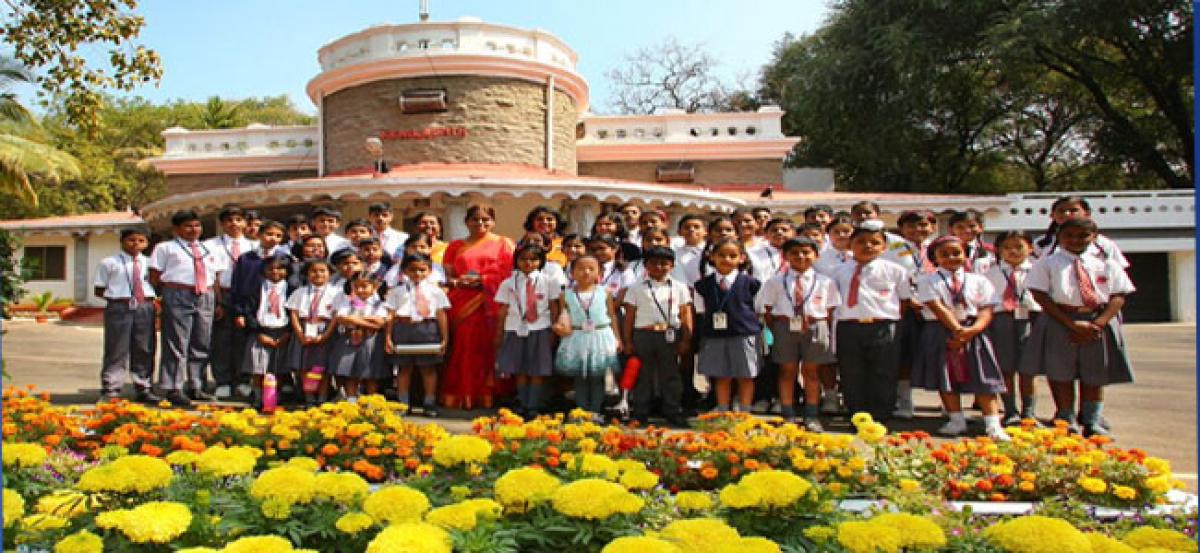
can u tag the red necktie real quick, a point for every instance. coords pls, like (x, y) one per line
(200, 286)
(1087, 290)
(955, 289)
(273, 300)
(235, 249)
(423, 302)
(531, 313)
(139, 294)
(724, 284)
(315, 305)
(799, 293)
(855, 282)
(1010, 292)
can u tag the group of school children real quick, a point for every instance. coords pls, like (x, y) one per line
(751, 306)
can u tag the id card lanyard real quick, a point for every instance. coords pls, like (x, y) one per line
(588, 324)
(957, 298)
(720, 319)
(666, 315)
(799, 310)
(522, 324)
(1011, 279)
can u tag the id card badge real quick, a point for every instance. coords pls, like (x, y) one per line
(588, 325)
(1021, 313)
(312, 330)
(669, 335)
(796, 323)
(522, 329)
(720, 320)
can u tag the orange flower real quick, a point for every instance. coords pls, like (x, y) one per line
(552, 461)
(329, 450)
(151, 450)
(750, 464)
(708, 473)
(984, 485)
(412, 463)
(52, 440)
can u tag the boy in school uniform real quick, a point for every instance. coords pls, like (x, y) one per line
(186, 272)
(254, 222)
(819, 214)
(226, 361)
(917, 229)
(245, 285)
(867, 349)
(325, 222)
(380, 215)
(766, 259)
(298, 228)
(658, 329)
(123, 281)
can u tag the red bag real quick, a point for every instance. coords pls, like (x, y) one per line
(629, 377)
(956, 365)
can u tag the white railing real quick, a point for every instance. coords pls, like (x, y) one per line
(1132, 209)
(676, 126)
(254, 140)
(464, 36)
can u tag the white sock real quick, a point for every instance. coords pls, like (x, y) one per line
(992, 421)
(958, 418)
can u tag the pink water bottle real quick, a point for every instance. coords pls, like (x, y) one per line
(312, 379)
(269, 393)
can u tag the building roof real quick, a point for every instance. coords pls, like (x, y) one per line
(82, 221)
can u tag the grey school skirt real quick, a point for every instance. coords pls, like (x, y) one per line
(1009, 336)
(729, 357)
(932, 371)
(360, 362)
(259, 359)
(1050, 351)
(531, 355)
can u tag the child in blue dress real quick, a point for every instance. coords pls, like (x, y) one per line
(589, 344)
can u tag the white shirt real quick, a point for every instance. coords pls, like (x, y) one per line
(301, 300)
(394, 276)
(657, 302)
(173, 258)
(556, 274)
(977, 291)
(1000, 274)
(115, 275)
(765, 260)
(688, 260)
(402, 299)
(1102, 248)
(830, 259)
(729, 279)
(334, 243)
(981, 258)
(265, 318)
(882, 285)
(372, 307)
(611, 278)
(512, 294)
(1055, 275)
(779, 294)
(222, 246)
(908, 255)
(392, 241)
(634, 271)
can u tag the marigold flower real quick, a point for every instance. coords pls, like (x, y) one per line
(640, 544)
(353, 523)
(594, 499)
(23, 455)
(80, 542)
(1146, 537)
(1037, 534)
(396, 504)
(868, 537)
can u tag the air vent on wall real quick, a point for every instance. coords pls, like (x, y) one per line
(682, 171)
(424, 100)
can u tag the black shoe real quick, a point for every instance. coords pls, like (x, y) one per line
(431, 411)
(678, 422)
(201, 395)
(1096, 429)
(148, 397)
(177, 399)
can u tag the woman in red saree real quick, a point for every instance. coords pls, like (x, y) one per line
(475, 267)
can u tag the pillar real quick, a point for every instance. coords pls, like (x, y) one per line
(1183, 286)
(454, 217)
(582, 214)
(79, 271)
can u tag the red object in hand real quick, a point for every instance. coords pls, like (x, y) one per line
(629, 377)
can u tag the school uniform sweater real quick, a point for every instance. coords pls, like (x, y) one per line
(738, 308)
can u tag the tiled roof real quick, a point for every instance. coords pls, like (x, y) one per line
(105, 219)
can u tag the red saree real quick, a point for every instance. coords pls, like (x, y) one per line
(469, 381)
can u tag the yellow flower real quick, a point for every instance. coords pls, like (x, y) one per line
(871, 432)
(1037, 534)
(1124, 493)
(276, 509)
(464, 515)
(860, 419)
(156, 522)
(411, 536)
(820, 534)
(693, 501)
(396, 504)
(868, 537)
(765, 489)
(259, 544)
(640, 544)
(599, 465)
(43, 523)
(1104, 544)
(754, 544)
(63, 503)
(182, 457)
(197, 550)
(286, 483)
(639, 480)
(1147, 536)
(304, 463)
(1157, 466)
(909, 485)
(519, 489)
(134, 473)
(700, 534)
(23, 455)
(14, 506)
(80, 542)
(1159, 484)
(916, 532)
(1092, 485)
(221, 461)
(459, 450)
(341, 487)
(594, 499)
(353, 523)
(1026, 487)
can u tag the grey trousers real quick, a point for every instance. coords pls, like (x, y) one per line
(227, 359)
(186, 331)
(128, 346)
(659, 375)
(869, 364)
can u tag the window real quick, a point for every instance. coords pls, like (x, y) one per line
(425, 100)
(45, 262)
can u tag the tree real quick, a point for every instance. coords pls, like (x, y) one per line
(673, 75)
(22, 157)
(49, 36)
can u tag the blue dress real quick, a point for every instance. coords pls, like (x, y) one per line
(588, 353)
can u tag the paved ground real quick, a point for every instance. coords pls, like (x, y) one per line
(1157, 413)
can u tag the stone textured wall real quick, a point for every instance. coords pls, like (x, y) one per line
(749, 171)
(504, 118)
(182, 184)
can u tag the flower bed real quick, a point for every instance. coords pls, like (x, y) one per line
(124, 477)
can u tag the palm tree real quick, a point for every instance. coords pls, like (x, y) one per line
(219, 114)
(20, 156)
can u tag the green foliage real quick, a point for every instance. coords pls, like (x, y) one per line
(43, 301)
(985, 97)
(11, 275)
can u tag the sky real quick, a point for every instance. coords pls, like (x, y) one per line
(268, 47)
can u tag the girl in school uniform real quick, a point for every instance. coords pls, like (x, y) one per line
(1075, 207)
(311, 308)
(967, 226)
(418, 309)
(1078, 336)
(267, 324)
(416, 244)
(613, 223)
(837, 251)
(589, 347)
(1015, 309)
(310, 248)
(872, 291)
(361, 314)
(689, 255)
(553, 270)
(955, 354)
(604, 247)
(573, 247)
(524, 342)
(729, 327)
(635, 271)
(798, 305)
